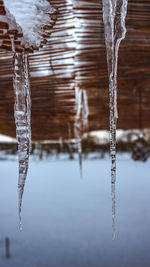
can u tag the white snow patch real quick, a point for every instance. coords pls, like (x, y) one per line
(7, 139)
(31, 16)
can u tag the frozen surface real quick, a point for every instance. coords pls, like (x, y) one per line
(114, 15)
(81, 121)
(22, 113)
(67, 221)
(31, 16)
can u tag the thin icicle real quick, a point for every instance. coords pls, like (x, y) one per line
(82, 109)
(81, 123)
(114, 14)
(12, 43)
(113, 192)
(22, 120)
(27, 84)
(61, 143)
(78, 136)
(85, 110)
(77, 127)
(70, 142)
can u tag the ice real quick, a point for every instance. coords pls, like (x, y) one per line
(78, 137)
(12, 44)
(28, 17)
(61, 143)
(81, 122)
(113, 209)
(114, 14)
(31, 16)
(27, 85)
(70, 149)
(22, 114)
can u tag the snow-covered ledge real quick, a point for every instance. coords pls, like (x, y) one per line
(29, 17)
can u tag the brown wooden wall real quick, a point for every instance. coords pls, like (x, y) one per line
(76, 56)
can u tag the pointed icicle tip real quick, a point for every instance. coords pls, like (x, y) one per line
(22, 113)
(114, 15)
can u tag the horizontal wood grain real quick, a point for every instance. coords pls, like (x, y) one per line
(75, 55)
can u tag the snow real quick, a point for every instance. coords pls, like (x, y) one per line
(31, 16)
(67, 221)
(7, 139)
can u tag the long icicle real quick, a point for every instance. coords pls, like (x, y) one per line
(28, 100)
(70, 141)
(81, 120)
(78, 133)
(81, 123)
(114, 15)
(22, 113)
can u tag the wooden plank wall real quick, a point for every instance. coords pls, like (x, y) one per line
(75, 56)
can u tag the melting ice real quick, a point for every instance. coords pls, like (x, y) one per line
(28, 17)
(31, 16)
(81, 122)
(114, 14)
(22, 113)
(22, 119)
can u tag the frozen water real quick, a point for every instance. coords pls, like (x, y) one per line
(78, 136)
(113, 209)
(28, 100)
(22, 119)
(114, 14)
(81, 123)
(12, 44)
(31, 16)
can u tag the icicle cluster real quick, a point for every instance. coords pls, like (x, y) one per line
(114, 14)
(22, 113)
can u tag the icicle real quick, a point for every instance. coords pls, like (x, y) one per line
(12, 43)
(114, 14)
(85, 110)
(81, 122)
(78, 136)
(77, 127)
(27, 84)
(69, 142)
(113, 209)
(61, 143)
(22, 119)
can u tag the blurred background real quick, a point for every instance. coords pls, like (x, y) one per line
(67, 219)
